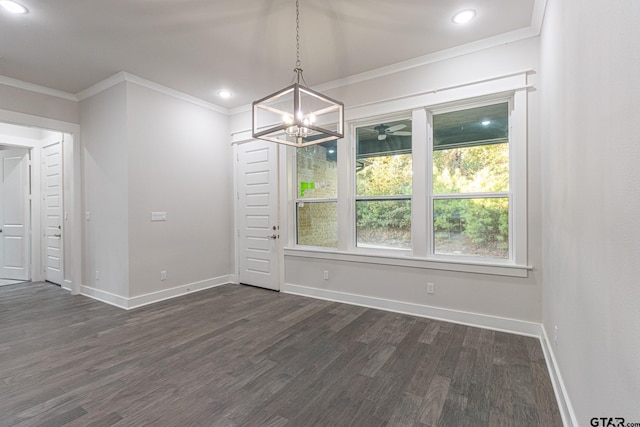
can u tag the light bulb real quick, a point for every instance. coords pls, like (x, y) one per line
(13, 7)
(464, 16)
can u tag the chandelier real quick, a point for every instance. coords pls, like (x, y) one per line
(297, 115)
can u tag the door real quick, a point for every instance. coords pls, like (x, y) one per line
(14, 214)
(258, 228)
(53, 211)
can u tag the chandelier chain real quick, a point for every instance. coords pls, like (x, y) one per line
(298, 64)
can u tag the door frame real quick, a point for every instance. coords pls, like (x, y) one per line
(281, 188)
(72, 174)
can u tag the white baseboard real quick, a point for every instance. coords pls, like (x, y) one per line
(569, 418)
(150, 298)
(104, 296)
(495, 323)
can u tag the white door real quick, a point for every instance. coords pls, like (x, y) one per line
(258, 228)
(14, 214)
(53, 212)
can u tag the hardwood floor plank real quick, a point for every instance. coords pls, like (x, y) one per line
(434, 400)
(407, 411)
(104, 421)
(500, 397)
(430, 332)
(548, 412)
(453, 411)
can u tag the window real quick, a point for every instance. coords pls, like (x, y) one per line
(470, 182)
(317, 195)
(434, 181)
(383, 169)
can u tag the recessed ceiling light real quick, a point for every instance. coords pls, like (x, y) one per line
(464, 16)
(224, 94)
(13, 7)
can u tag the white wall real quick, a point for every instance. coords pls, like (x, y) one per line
(180, 163)
(516, 299)
(9, 131)
(38, 104)
(590, 56)
(148, 151)
(105, 190)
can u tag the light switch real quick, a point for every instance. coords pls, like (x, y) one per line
(158, 216)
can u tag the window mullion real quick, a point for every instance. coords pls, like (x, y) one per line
(346, 217)
(419, 208)
(472, 195)
(394, 197)
(429, 237)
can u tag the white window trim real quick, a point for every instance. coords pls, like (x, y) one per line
(513, 86)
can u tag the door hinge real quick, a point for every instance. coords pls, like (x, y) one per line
(238, 195)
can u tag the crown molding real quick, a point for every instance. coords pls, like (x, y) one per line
(123, 76)
(9, 81)
(537, 16)
(101, 86)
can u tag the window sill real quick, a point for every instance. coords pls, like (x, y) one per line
(496, 269)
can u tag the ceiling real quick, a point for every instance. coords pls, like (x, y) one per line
(247, 46)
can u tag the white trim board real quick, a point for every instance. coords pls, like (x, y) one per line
(20, 84)
(123, 76)
(495, 323)
(127, 303)
(569, 418)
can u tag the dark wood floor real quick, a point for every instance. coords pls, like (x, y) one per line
(241, 356)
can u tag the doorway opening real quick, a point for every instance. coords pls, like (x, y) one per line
(32, 210)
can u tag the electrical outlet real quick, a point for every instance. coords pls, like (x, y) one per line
(326, 275)
(163, 275)
(555, 334)
(430, 288)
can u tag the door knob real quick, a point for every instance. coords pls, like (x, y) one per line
(56, 235)
(273, 236)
